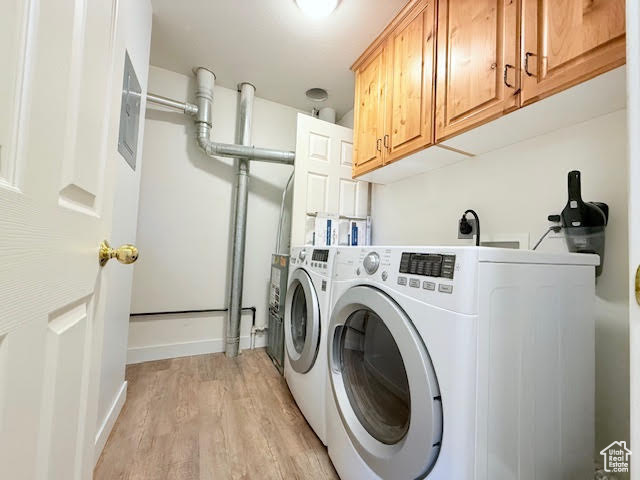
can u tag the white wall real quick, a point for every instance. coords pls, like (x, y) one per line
(184, 222)
(134, 35)
(347, 119)
(513, 190)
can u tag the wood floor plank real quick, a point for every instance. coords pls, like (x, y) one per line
(211, 417)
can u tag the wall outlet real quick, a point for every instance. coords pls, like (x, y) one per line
(474, 229)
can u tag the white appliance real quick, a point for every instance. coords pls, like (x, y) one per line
(461, 363)
(305, 332)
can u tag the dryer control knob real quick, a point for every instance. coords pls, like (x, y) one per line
(302, 255)
(371, 263)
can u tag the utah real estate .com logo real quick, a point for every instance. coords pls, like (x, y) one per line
(616, 457)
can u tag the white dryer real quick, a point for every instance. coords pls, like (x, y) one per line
(305, 331)
(461, 363)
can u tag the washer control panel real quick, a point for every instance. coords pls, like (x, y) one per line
(428, 264)
(445, 277)
(320, 259)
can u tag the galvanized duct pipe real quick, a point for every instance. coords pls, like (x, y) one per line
(247, 152)
(186, 108)
(204, 95)
(243, 152)
(247, 92)
(205, 81)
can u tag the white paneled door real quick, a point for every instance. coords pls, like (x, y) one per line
(59, 105)
(322, 181)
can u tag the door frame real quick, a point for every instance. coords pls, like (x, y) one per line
(633, 117)
(407, 458)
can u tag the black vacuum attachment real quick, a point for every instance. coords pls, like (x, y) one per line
(584, 222)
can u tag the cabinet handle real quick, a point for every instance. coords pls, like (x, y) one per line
(526, 63)
(386, 141)
(506, 69)
(378, 141)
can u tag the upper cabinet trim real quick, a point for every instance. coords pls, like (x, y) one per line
(382, 37)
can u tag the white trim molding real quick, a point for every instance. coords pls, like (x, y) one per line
(109, 421)
(186, 349)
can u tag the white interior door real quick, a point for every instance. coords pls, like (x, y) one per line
(60, 98)
(322, 181)
(633, 112)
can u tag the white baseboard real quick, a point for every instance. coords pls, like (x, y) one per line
(186, 349)
(109, 421)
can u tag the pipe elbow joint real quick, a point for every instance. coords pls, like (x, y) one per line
(202, 137)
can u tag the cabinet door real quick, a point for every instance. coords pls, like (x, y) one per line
(478, 63)
(410, 84)
(369, 114)
(569, 41)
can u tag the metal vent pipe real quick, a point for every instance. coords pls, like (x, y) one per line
(247, 93)
(204, 96)
(243, 152)
(186, 108)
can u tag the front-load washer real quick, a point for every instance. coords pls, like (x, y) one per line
(461, 363)
(305, 324)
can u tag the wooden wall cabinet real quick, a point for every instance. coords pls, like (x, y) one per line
(566, 42)
(410, 84)
(401, 66)
(369, 115)
(444, 67)
(478, 63)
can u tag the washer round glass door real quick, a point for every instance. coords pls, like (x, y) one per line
(384, 385)
(301, 322)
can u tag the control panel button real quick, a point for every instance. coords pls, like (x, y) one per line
(358, 271)
(429, 286)
(414, 282)
(385, 275)
(444, 288)
(371, 263)
(448, 266)
(402, 280)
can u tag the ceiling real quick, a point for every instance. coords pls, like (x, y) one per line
(270, 44)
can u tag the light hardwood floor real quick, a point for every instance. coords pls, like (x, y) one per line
(210, 417)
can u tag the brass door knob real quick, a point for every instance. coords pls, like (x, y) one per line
(124, 254)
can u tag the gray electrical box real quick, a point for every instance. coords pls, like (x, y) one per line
(129, 113)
